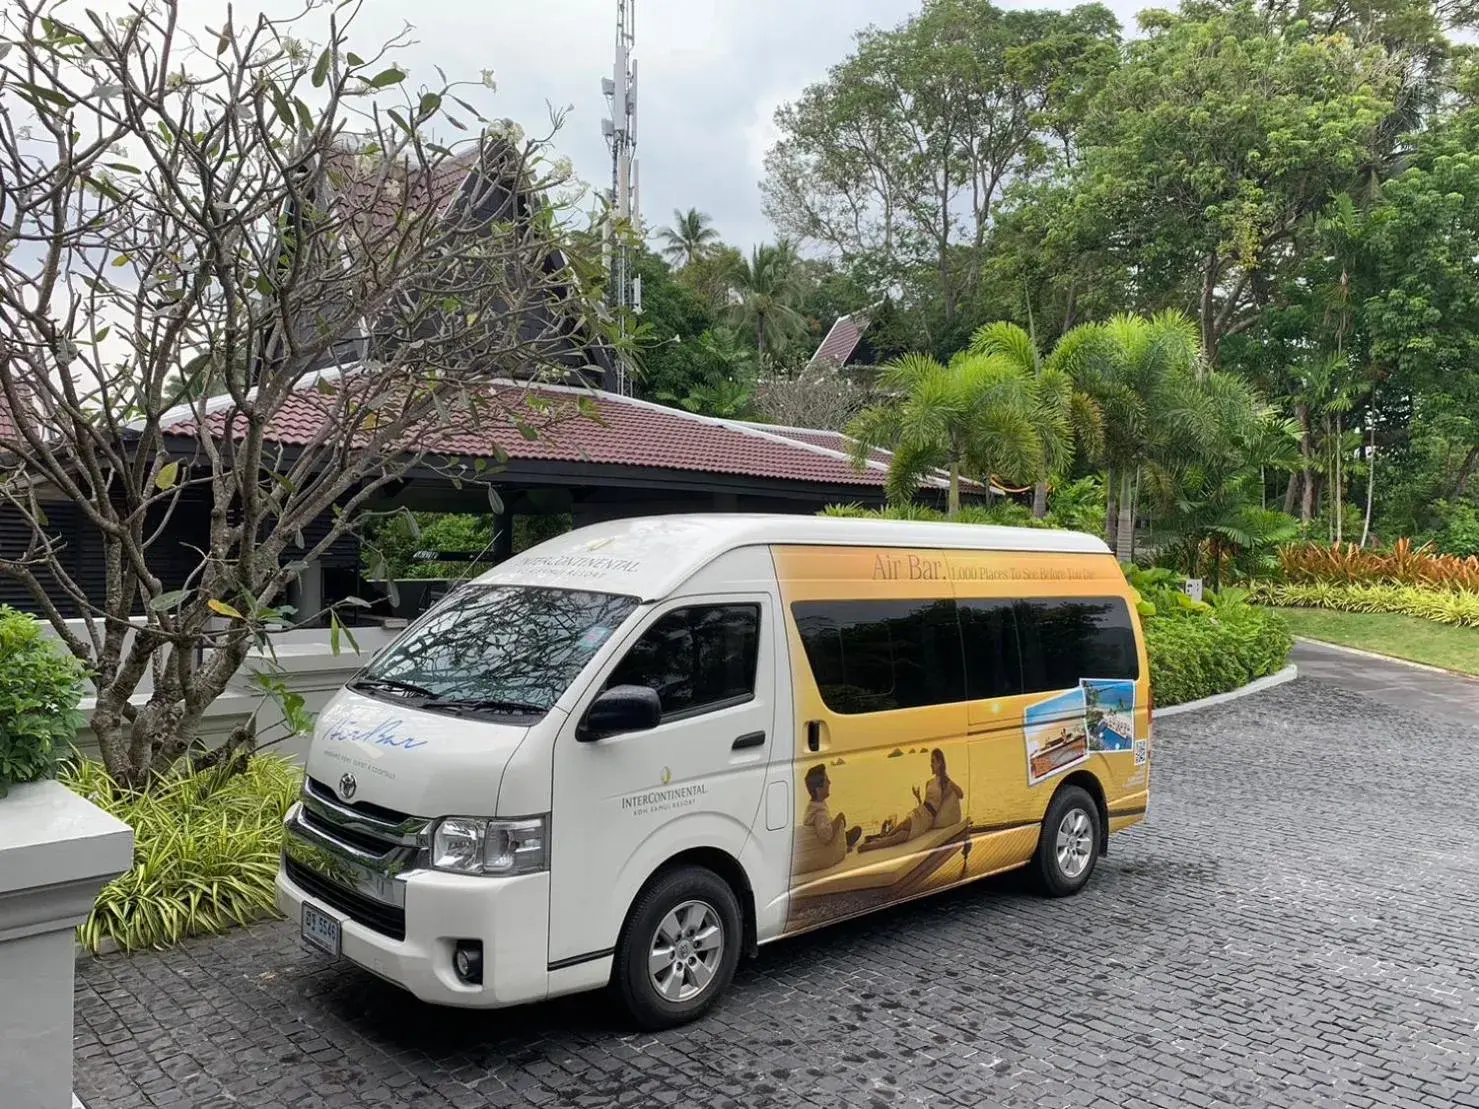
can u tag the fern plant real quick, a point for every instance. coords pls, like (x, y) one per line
(206, 846)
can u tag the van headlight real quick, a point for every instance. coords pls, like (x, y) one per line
(474, 845)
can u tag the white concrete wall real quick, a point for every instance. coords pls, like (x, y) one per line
(304, 661)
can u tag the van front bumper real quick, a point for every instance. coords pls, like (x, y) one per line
(509, 915)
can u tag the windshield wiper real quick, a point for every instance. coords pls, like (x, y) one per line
(392, 683)
(486, 704)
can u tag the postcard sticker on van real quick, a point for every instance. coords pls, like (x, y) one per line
(1057, 735)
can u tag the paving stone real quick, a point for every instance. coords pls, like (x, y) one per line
(1294, 925)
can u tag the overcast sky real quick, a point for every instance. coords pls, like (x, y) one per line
(711, 75)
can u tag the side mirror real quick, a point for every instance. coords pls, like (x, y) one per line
(620, 710)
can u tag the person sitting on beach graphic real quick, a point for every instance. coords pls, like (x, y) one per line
(821, 841)
(938, 807)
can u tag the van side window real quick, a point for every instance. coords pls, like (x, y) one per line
(1065, 640)
(696, 659)
(993, 664)
(874, 656)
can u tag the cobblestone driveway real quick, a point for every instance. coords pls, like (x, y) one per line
(1297, 924)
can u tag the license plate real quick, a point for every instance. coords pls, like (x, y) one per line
(321, 930)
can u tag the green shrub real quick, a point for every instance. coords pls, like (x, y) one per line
(1460, 533)
(40, 689)
(206, 848)
(1195, 654)
(1445, 606)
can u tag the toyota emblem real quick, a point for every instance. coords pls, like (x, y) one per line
(347, 786)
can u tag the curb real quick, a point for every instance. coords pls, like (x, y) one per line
(1373, 655)
(1288, 674)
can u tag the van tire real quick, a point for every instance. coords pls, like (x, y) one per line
(706, 903)
(1068, 847)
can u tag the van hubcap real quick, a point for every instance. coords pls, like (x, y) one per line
(686, 950)
(1075, 843)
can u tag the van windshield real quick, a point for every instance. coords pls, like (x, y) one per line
(500, 649)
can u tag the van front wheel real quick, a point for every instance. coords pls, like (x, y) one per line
(1069, 845)
(679, 949)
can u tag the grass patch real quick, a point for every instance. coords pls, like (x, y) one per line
(205, 851)
(1383, 633)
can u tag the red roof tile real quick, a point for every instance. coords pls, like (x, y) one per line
(624, 431)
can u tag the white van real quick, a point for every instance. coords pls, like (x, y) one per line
(638, 751)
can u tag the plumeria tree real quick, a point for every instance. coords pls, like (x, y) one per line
(207, 233)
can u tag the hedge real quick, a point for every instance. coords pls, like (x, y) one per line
(1456, 607)
(1197, 655)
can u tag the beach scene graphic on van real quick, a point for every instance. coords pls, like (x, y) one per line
(1109, 712)
(865, 838)
(1057, 735)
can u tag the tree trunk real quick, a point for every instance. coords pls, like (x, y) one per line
(1040, 499)
(1111, 500)
(1291, 494)
(952, 506)
(1337, 495)
(1465, 472)
(1307, 474)
(1124, 534)
(1370, 487)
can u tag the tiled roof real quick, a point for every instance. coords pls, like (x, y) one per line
(617, 431)
(842, 444)
(828, 440)
(842, 340)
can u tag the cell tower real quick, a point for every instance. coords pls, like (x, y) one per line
(620, 130)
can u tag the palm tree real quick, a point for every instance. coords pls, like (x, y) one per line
(768, 285)
(1137, 370)
(978, 416)
(690, 238)
(1066, 414)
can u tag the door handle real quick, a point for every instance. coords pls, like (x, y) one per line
(814, 735)
(753, 739)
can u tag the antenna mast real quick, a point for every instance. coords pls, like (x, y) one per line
(620, 130)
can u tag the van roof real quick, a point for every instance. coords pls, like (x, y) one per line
(651, 556)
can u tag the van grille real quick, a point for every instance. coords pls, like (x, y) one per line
(375, 812)
(388, 920)
(351, 856)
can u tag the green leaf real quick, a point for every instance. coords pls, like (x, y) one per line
(400, 121)
(121, 260)
(284, 109)
(305, 117)
(224, 41)
(321, 70)
(430, 102)
(124, 167)
(50, 95)
(495, 502)
(103, 334)
(168, 475)
(166, 601)
(264, 285)
(354, 59)
(221, 608)
(387, 77)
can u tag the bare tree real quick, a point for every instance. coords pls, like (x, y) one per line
(817, 395)
(275, 234)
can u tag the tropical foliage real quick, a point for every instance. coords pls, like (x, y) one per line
(1404, 564)
(40, 687)
(206, 848)
(1238, 244)
(1201, 648)
(1444, 606)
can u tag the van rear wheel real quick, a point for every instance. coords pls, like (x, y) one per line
(1068, 848)
(680, 947)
